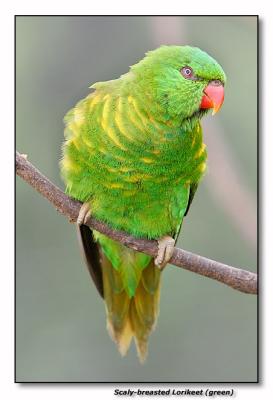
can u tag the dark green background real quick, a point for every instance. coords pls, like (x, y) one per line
(206, 331)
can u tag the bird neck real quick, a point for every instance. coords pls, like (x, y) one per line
(141, 98)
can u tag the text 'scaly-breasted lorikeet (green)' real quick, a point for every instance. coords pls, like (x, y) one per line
(134, 155)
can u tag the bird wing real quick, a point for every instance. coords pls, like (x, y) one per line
(90, 250)
(193, 188)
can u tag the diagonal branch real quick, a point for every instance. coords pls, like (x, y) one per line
(236, 278)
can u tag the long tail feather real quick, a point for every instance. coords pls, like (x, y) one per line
(134, 317)
(128, 316)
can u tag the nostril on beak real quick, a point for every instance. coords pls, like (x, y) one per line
(213, 96)
(216, 82)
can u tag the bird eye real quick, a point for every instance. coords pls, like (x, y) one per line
(187, 72)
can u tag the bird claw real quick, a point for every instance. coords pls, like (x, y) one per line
(165, 251)
(84, 214)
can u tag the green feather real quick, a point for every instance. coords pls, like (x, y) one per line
(134, 150)
(127, 262)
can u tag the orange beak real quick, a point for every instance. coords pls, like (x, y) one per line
(213, 96)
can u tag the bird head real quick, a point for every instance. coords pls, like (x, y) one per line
(181, 82)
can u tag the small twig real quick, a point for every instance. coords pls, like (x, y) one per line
(238, 279)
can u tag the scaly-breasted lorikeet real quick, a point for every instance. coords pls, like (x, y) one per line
(134, 154)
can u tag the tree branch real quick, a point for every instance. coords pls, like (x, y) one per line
(238, 279)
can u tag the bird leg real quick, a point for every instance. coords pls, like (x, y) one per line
(84, 214)
(165, 251)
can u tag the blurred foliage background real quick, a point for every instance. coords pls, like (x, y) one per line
(206, 331)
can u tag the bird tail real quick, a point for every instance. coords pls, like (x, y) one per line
(131, 317)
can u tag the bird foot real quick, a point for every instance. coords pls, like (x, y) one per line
(165, 251)
(84, 214)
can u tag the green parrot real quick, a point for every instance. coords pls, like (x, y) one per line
(134, 155)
